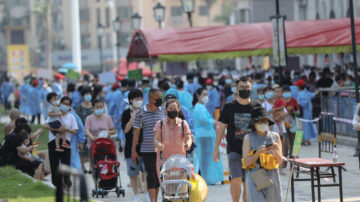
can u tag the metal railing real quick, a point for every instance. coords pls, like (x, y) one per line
(342, 104)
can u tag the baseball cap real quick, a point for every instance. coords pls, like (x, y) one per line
(300, 82)
(60, 76)
(209, 81)
(170, 96)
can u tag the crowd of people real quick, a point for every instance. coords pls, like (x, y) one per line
(258, 113)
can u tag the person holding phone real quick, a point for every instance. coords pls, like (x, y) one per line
(262, 155)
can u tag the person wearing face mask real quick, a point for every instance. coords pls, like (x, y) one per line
(34, 99)
(214, 96)
(262, 151)
(97, 123)
(234, 94)
(57, 85)
(236, 115)
(83, 111)
(261, 95)
(172, 134)
(185, 98)
(68, 127)
(191, 85)
(204, 123)
(145, 120)
(127, 120)
(145, 86)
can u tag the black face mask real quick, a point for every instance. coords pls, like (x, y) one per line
(172, 114)
(244, 93)
(158, 102)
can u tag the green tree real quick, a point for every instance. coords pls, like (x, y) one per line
(42, 9)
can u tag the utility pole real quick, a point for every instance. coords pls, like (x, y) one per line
(75, 36)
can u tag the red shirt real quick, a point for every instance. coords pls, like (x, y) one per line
(279, 103)
(292, 103)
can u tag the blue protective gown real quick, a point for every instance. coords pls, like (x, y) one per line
(230, 98)
(57, 88)
(74, 141)
(115, 103)
(185, 99)
(145, 97)
(304, 100)
(6, 89)
(294, 91)
(118, 115)
(189, 118)
(108, 97)
(76, 99)
(44, 103)
(211, 171)
(24, 101)
(192, 87)
(214, 101)
(34, 99)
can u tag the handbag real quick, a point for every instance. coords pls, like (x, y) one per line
(296, 125)
(261, 179)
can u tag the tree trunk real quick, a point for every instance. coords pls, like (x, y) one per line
(48, 35)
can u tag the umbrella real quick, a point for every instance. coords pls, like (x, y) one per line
(69, 65)
(63, 70)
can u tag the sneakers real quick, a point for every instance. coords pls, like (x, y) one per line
(59, 149)
(65, 145)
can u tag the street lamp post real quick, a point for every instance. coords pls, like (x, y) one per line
(188, 8)
(136, 21)
(159, 13)
(353, 39)
(117, 29)
(100, 33)
(279, 56)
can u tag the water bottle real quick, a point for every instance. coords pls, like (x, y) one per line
(335, 156)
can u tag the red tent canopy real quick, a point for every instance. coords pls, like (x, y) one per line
(123, 70)
(243, 40)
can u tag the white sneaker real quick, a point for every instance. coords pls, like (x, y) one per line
(138, 198)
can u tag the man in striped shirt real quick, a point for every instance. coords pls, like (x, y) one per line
(146, 119)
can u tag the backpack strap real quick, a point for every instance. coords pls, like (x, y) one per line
(182, 127)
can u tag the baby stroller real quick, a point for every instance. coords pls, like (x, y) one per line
(175, 174)
(106, 168)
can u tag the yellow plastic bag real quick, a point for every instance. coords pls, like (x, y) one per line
(268, 161)
(199, 189)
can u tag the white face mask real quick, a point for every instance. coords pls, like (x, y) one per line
(137, 104)
(205, 100)
(263, 127)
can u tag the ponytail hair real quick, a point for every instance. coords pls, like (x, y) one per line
(196, 94)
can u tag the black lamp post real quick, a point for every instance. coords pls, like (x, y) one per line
(159, 13)
(188, 8)
(136, 21)
(100, 33)
(117, 29)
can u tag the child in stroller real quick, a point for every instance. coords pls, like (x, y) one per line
(175, 174)
(106, 168)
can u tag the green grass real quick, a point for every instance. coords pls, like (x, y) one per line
(43, 137)
(3, 111)
(17, 187)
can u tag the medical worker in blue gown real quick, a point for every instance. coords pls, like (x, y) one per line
(6, 89)
(34, 99)
(24, 100)
(214, 97)
(304, 99)
(191, 86)
(43, 93)
(184, 97)
(57, 85)
(211, 171)
(75, 141)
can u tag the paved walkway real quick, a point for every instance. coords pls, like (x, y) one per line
(351, 181)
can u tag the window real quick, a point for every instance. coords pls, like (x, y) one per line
(108, 41)
(17, 37)
(84, 15)
(107, 13)
(85, 41)
(124, 12)
(203, 11)
(243, 16)
(98, 16)
(176, 11)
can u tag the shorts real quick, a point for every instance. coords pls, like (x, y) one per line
(235, 165)
(134, 168)
(56, 125)
(152, 178)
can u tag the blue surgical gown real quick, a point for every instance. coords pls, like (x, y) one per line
(57, 88)
(192, 87)
(76, 99)
(189, 118)
(24, 100)
(44, 103)
(185, 99)
(214, 101)
(211, 171)
(6, 89)
(34, 99)
(74, 141)
(304, 100)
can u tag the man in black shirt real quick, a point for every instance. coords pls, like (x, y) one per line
(236, 116)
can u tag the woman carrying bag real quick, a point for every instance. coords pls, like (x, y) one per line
(262, 152)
